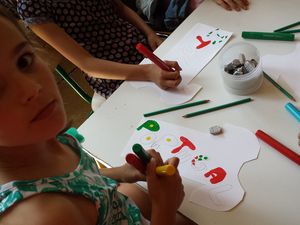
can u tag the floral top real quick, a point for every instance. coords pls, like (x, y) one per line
(95, 25)
(85, 180)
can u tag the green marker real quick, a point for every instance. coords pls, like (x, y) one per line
(268, 36)
(141, 153)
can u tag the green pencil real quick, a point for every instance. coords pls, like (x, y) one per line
(279, 87)
(289, 31)
(287, 27)
(176, 108)
(217, 108)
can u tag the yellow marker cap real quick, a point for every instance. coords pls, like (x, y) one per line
(167, 170)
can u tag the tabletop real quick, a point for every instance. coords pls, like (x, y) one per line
(272, 181)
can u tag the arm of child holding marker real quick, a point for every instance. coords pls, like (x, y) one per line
(166, 192)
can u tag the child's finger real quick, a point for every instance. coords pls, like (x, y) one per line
(173, 161)
(151, 167)
(156, 156)
(174, 65)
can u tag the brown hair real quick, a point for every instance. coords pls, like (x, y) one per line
(11, 18)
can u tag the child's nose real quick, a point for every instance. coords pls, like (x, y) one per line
(29, 90)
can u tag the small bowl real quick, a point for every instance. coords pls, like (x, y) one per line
(243, 84)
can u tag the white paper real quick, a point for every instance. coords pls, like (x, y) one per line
(216, 175)
(192, 53)
(286, 68)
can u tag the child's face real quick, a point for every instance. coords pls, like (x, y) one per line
(31, 109)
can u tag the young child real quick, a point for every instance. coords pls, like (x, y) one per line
(44, 181)
(99, 37)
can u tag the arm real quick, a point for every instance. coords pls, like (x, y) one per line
(236, 5)
(125, 173)
(129, 15)
(60, 209)
(99, 68)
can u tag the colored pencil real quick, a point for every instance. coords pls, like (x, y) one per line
(217, 108)
(287, 94)
(278, 146)
(151, 56)
(176, 108)
(287, 27)
(290, 31)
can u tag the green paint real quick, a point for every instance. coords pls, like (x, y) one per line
(200, 158)
(214, 42)
(151, 125)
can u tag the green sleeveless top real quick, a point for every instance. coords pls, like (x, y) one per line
(85, 180)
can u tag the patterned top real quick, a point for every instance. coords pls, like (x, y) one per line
(95, 25)
(85, 180)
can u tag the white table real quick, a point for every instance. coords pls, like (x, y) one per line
(272, 182)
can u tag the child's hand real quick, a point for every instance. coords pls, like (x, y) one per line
(154, 41)
(164, 79)
(166, 192)
(131, 174)
(236, 5)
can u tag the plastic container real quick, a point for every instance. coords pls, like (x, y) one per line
(246, 83)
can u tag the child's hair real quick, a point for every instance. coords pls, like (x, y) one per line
(10, 17)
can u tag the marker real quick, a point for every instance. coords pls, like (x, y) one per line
(285, 92)
(217, 108)
(144, 158)
(167, 170)
(278, 146)
(141, 153)
(151, 56)
(268, 36)
(176, 108)
(293, 110)
(133, 160)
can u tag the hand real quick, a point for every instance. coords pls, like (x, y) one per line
(236, 5)
(154, 41)
(129, 174)
(164, 79)
(166, 192)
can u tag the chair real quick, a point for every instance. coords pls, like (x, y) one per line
(66, 76)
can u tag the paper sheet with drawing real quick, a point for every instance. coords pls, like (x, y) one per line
(211, 162)
(192, 52)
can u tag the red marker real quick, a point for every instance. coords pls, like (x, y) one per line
(136, 162)
(278, 146)
(133, 160)
(150, 55)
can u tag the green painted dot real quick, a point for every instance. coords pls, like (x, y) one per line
(205, 158)
(214, 42)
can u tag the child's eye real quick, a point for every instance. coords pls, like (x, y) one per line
(25, 61)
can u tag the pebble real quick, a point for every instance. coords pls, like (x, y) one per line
(240, 66)
(215, 130)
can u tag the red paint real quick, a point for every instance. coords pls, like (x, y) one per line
(185, 142)
(217, 175)
(278, 146)
(202, 42)
(133, 160)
